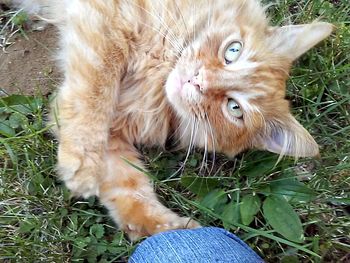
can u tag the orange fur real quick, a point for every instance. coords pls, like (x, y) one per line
(138, 71)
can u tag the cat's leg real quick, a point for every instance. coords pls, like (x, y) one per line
(84, 109)
(85, 104)
(129, 195)
(83, 135)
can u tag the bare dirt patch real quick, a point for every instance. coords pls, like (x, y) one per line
(28, 66)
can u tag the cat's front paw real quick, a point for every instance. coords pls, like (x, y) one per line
(79, 171)
(155, 225)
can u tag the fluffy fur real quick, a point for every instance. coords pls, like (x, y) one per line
(138, 71)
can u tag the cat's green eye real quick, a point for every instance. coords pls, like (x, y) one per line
(232, 52)
(234, 109)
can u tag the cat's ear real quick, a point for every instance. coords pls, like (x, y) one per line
(288, 137)
(294, 40)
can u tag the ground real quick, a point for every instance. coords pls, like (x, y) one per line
(40, 222)
(28, 65)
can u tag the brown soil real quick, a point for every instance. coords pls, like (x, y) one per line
(28, 66)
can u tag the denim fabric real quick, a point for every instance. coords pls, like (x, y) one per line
(207, 244)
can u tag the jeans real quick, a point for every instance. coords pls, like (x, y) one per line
(206, 244)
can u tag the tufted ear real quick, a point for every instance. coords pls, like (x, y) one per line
(288, 137)
(294, 40)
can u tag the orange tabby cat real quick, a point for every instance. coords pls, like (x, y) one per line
(137, 71)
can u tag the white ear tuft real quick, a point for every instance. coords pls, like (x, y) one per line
(288, 138)
(294, 40)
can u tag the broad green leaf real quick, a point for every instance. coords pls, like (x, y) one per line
(101, 247)
(259, 169)
(15, 100)
(21, 104)
(249, 207)
(281, 216)
(215, 200)
(97, 230)
(38, 125)
(292, 190)
(231, 214)
(6, 129)
(3, 115)
(115, 249)
(15, 120)
(199, 185)
(82, 242)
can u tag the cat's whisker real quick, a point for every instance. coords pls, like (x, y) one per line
(172, 40)
(267, 6)
(192, 139)
(183, 21)
(185, 130)
(178, 139)
(212, 142)
(210, 3)
(241, 6)
(194, 24)
(205, 154)
(175, 23)
(195, 133)
(192, 121)
(165, 36)
(167, 28)
(162, 34)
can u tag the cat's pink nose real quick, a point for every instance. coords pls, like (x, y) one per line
(194, 84)
(195, 81)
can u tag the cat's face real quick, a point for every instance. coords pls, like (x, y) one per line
(232, 83)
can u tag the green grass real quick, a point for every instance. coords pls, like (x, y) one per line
(40, 222)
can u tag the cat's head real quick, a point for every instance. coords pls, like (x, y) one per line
(231, 82)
